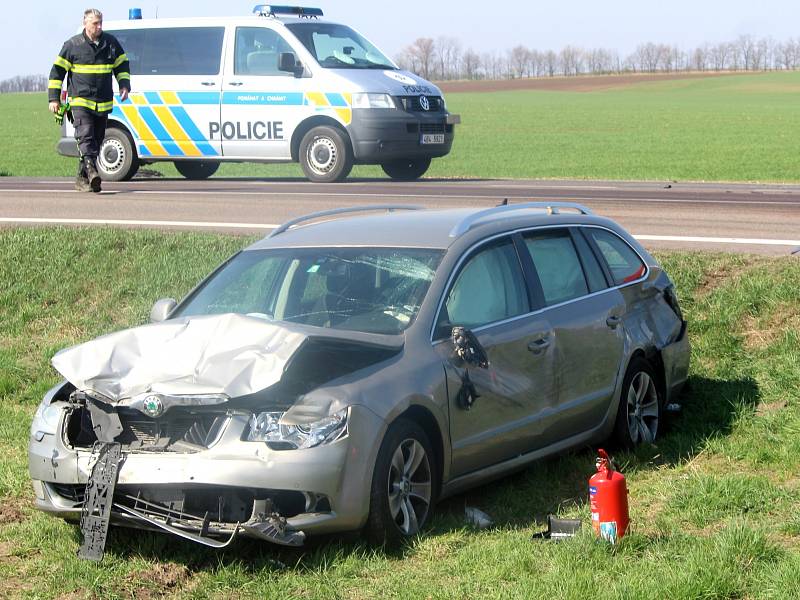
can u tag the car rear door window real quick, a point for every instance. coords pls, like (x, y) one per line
(173, 50)
(489, 288)
(557, 264)
(625, 265)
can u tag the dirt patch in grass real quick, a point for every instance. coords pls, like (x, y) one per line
(758, 335)
(11, 510)
(157, 581)
(717, 276)
(581, 83)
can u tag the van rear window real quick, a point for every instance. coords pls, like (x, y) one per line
(173, 50)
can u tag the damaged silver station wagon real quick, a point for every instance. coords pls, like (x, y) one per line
(345, 374)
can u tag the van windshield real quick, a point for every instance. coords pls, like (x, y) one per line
(339, 47)
(375, 290)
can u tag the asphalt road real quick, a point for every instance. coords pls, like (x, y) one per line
(718, 217)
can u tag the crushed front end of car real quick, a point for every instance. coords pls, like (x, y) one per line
(208, 427)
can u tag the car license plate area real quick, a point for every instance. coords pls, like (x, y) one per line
(432, 138)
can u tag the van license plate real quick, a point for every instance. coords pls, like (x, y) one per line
(432, 138)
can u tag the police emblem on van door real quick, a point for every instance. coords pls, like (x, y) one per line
(423, 102)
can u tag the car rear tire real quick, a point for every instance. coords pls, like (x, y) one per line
(117, 160)
(200, 169)
(325, 155)
(404, 485)
(640, 406)
(406, 169)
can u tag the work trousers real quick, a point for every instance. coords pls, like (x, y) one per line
(90, 129)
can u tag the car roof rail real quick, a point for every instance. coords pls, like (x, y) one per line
(552, 208)
(339, 211)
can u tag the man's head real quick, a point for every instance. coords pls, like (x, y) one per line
(93, 23)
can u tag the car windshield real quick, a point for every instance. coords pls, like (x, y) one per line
(375, 290)
(339, 47)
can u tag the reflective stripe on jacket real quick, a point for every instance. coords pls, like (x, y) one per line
(89, 71)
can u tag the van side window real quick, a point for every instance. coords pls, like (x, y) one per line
(624, 263)
(557, 265)
(489, 288)
(258, 51)
(173, 50)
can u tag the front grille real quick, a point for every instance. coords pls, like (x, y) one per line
(414, 104)
(431, 128)
(177, 431)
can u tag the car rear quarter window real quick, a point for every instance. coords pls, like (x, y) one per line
(557, 264)
(172, 50)
(623, 262)
(489, 288)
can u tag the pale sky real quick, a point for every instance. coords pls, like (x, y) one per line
(34, 31)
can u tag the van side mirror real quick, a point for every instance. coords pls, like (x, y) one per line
(288, 62)
(161, 309)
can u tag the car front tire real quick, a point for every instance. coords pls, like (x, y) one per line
(200, 169)
(406, 169)
(640, 405)
(325, 155)
(404, 485)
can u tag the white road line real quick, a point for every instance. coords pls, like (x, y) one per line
(433, 196)
(207, 224)
(716, 240)
(203, 224)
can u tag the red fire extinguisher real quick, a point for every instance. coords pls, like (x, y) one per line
(608, 497)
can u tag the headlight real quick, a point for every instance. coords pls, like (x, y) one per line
(361, 100)
(266, 427)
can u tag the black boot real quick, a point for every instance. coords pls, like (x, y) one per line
(91, 173)
(82, 184)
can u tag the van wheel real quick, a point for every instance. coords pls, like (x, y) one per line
(639, 414)
(403, 485)
(199, 169)
(406, 169)
(325, 155)
(117, 160)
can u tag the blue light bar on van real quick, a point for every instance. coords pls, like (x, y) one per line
(271, 10)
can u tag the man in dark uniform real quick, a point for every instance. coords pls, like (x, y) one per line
(88, 60)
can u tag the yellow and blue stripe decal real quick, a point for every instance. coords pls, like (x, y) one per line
(162, 127)
(340, 103)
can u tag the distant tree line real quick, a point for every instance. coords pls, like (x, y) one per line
(445, 59)
(24, 83)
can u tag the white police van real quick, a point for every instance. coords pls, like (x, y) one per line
(280, 85)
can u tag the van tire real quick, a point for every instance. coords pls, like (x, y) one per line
(325, 155)
(117, 159)
(197, 169)
(406, 169)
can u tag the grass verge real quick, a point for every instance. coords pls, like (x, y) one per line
(733, 128)
(714, 505)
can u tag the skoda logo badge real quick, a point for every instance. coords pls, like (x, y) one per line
(153, 407)
(423, 102)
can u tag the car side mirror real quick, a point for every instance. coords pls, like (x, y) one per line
(468, 348)
(288, 62)
(161, 309)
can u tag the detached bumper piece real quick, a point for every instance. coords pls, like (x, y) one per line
(265, 523)
(99, 495)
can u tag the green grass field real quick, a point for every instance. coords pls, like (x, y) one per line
(732, 128)
(714, 504)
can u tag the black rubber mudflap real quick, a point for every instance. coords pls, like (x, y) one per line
(99, 496)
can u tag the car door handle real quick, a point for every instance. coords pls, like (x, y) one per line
(236, 83)
(613, 321)
(538, 346)
(207, 83)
